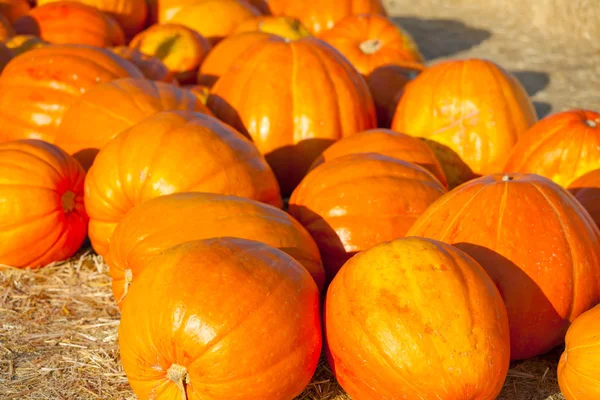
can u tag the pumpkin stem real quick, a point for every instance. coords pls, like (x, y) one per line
(507, 178)
(128, 281)
(371, 46)
(591, 124)
(179, 375)
(68, 201)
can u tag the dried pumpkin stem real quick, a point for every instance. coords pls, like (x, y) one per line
(68, 201)
(591, 124)
(506, 178)
(371, 46)
(179, 375)
(128, 281)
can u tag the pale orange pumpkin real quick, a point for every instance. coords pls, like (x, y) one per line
(286, 27)
(151, 67)
(172, 152)
(586, 190)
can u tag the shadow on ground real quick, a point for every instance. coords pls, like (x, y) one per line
(534, 82)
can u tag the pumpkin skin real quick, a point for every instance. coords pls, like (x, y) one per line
(38, 86)
(546, 283)
(137, 100)
(407, 308)
(479, 118)
(285, 27)
(389, 143)
(561, 147)
(586, 190)
(151, 67)
(354, 202)
(259, 304)
(294, 111)
(579, 366)
(6, 29)
(42, 218)
(19, 44)
(225, 16)
(69, 22)
(14, 9)
(172, 152)
(139, 237)
(178, 47)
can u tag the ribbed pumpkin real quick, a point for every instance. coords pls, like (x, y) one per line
(136, 100)
(389, 143)
(42, 218)
(352, 203)
(536, 242)
(479, 119)
(286, 27)
(213, 19)
(221, 318)
(416, 319)
(14, 9)
(19, 44)
(171, 152)
(6, 29)
(151, 67)
(579, 366)
(560, 147)
(178, 47)
(294, 98)
(37, 87)
(69, 22)
(184, 217)
(586, 190)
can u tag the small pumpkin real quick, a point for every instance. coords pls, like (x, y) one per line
(172, 152)
(561, 147)
(38, 86)
(221, 318)
(579, 366)
(356, 201)
(586, 190)
(19, 44)
(6, 29)
(69, 22)
(178, 47)
(42, 219)
(14, 9)
(423, 320)
(537, 243)
(295, 99)
(286, 27)
(151, 67)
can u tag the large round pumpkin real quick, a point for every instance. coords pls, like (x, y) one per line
(416, 319)
(14, 9)
(151, 67)
(286, 27)
(479, 118)
(221, 318)
(184, 217)
(38, 86)
(352, 203)
(579, 366)
(560, 147)
(388, 143)
(536, 242)
(170, 152)
(294, 98)
(42, 218)
(136, 100)
(586, 189)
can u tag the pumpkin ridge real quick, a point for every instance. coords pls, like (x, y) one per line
(179, 376)
(99, 193)
(459, 212)
(34, 218)
(33, 155)
(501, 211)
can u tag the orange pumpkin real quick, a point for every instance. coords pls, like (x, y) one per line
(136, 99)
(537, 244)
(294, 98)
(321, 15)
(139, 237)
(38, 86)
(42, 218)
(388, 143)
(586, 190)
(151, 67)
(19, 44)
(178, 47)
(225, 16)
(221, 318)
(422, 319)
(14, 9)
(68, 22)
(561, 147)
(6, 29)
(171, 152)
(131, 14)
(286, 27)
(352, 203)
(579, 366)
(480, 118)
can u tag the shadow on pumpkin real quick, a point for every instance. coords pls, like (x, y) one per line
(86, 157)
(456, 170)
(589, 198)
(27, 25)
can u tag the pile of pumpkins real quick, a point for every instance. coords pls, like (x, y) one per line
(270, 179)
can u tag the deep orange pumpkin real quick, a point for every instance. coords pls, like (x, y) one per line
(221, 318)
(294, 98)
(560, 147)
(536, 242)
(38, 86)
(136, 99)
(352, 203)
(172, 152)
(286, 27)
(42, 218)
(586, 189)
(416, 319)
(151, 67)
(14, 9)
(184, 217)
(579, 366)
(479, 119)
